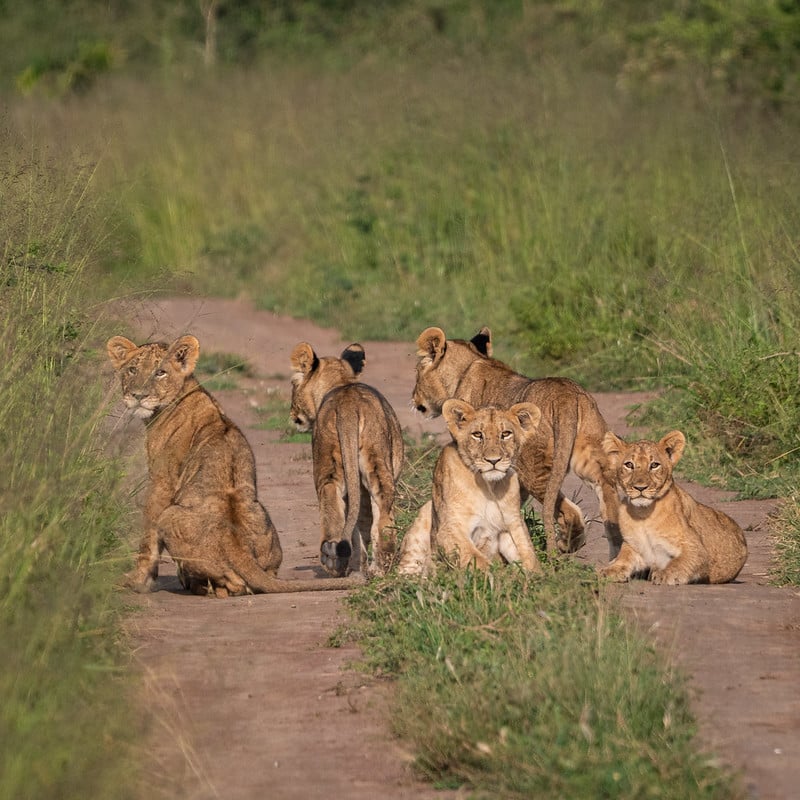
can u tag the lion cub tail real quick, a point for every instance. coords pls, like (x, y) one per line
(245, 513)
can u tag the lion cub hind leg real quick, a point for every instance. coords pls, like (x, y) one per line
(415, 551)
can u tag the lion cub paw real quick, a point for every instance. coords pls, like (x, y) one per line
(613, 573)
(665, 577)
(335, 556)
(139, 584)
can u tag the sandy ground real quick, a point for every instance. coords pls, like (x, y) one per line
(250, 701)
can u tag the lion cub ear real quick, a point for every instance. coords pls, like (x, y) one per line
(482, 341)
(119, 350)
(457, 414)
(303, 359)
(355, 356)
(184, 352)
(674, 443)
(431, 344)
(528, 415)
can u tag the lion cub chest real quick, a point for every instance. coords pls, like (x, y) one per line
(481, 507)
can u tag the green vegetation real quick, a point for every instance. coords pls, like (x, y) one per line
(274, 416)
(527, 690)
(525, 682)
(218, 371)
(66, 722)
(612, 187)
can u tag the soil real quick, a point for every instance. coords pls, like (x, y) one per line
(250, 700)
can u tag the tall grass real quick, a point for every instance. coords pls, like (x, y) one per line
(624, 241)
(65, 721)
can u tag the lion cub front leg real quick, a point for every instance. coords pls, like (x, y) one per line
(451, 540)
(627, 562)
(143, 576)
(516, 545)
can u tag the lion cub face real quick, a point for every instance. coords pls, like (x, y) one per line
(489, 439)
(314, 377)
(644, 469)
(152, 375)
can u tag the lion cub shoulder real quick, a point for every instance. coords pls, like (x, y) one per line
(664, 529)
(357, 450)
(474, 514)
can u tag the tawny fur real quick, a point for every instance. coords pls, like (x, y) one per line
(474, 515)
(569, 435)
(357, 449)
(202, 505)
(664, 529)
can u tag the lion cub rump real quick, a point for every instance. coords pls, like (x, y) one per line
(474, 513)
(664, 529)
(357, 449)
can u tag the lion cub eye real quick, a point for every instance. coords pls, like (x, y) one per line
(628, 464)
(655, 464)
(477, 435)
(132, 370)
(506, 434)
(160, 373)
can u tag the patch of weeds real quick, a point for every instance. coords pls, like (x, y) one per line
(273, 415)
(218, 371)
(520, 686)
(785, 569)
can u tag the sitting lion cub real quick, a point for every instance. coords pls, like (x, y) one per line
(475, 512)
(201, 503)
(664, 530)
(357, 450)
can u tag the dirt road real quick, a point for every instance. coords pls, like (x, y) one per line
(249, 699)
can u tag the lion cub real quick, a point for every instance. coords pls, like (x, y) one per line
(201, 503)
(569, 435)
(474, 513)
(664, 529)
(357, 450)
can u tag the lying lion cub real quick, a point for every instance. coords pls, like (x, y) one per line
(474, 513)
(664, 529)
(357, 449)
(201, 503)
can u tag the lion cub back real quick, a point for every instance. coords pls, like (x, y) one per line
(664, 529)
(357, 449)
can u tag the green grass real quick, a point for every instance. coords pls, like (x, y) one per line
(273, 415)
(521, 687)
(616, 196)
(218, 371)
(66, 718)
(627, 241)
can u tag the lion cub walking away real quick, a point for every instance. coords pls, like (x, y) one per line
(569, 435)
(201, 502)
(664, 529)
(357, 450)
(474, 513)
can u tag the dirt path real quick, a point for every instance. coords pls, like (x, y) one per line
(250, 700)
